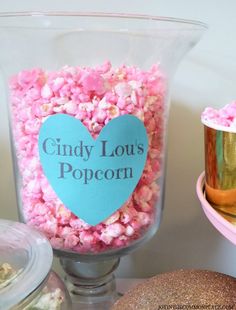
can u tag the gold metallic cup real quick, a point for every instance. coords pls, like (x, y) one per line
(220, 169)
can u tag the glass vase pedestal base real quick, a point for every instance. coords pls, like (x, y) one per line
(91, 285)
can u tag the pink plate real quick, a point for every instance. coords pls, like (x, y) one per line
(227, 229)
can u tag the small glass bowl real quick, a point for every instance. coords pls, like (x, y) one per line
(26, 279)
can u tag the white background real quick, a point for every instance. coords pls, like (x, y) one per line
(206, 77)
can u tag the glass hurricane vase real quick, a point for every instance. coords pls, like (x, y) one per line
(88, 97)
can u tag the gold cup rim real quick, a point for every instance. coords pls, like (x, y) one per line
(218, 127)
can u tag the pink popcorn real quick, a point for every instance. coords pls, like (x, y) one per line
(32, 126)
(71, 241)
(100, 116)
(106, 238)
(27, 78)
(115, 230)
(50, 227)
(58, 109)
(57, 84)
(63, 215)
(225, 117)
(143, 218)
(46, 92)
(144, 192)
(95, 96)
(123, 89)
(33, 187)
(145, 206)
(93, 81)
(129, 231)
(66, 231)
(127, 214)
(70, 107)
(112, 219)
(87, 239)
(40, 208)
(113, 111)
(119, 242)
(48, 193)
(33, 94)
(45, 109)
(57, 243)
(136, 225)
(130, 108)
(79, 224)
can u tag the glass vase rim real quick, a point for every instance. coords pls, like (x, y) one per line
(155, 18)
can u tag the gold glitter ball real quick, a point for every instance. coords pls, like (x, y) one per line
(182, 289)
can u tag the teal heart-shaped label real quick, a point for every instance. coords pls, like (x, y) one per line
(93, 177)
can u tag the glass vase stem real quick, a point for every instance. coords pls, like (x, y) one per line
(91, 285)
